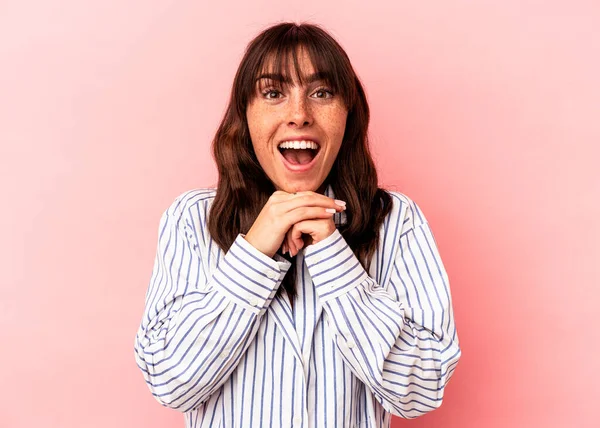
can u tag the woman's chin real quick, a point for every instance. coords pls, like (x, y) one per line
(298, 187)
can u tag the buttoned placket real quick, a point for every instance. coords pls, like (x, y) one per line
(305, 317)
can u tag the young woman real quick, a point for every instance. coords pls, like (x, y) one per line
(297, 293)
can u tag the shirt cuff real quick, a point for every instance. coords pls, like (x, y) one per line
(333, 267)
(248, 276)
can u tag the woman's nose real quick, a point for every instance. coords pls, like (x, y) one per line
(299, 113)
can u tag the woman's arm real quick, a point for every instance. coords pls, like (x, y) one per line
(196, 328)
(399, 340)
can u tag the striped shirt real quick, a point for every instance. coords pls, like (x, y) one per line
(217, 343)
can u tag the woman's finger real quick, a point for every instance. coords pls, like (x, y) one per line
(286, 243)
(292, 242)
(309, 199)
(307, 213)
(292, 247)
(318, 230)
(287, 240)
(296, 237)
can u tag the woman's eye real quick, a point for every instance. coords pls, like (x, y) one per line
(324, 93)
(268, 94)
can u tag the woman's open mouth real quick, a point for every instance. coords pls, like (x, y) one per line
(299, 156)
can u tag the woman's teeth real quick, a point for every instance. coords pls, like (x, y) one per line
(299, 145)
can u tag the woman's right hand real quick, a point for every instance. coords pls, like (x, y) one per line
(282, 211)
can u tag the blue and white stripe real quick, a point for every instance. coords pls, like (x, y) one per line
(218, 344)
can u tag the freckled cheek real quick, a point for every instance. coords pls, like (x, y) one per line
(338, 125)
(261, 132)
(264, 125)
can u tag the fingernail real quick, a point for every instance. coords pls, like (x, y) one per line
(330, 210)
(340, 203)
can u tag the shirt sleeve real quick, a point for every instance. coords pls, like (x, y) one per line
(400, 340)
(196, 327)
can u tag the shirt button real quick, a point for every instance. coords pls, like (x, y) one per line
(332, 286)
(271, 274)
(225, 354)
(350, 343)
(317, 258)
(253, 301)
(297, 420)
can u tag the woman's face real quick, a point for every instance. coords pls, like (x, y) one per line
(296, 130)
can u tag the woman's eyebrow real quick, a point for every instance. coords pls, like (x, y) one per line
(280, 78)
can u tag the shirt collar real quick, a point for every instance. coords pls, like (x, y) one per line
(338, 218)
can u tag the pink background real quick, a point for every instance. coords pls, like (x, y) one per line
(487, 113)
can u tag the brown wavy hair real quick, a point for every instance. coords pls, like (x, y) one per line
(244, 188)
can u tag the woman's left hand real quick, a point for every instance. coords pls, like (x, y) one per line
(307, 232)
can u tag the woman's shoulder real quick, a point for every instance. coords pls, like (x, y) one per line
(405, 209)
(191, 200)
(195, 196)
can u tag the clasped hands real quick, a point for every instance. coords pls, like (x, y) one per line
(291, 221)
